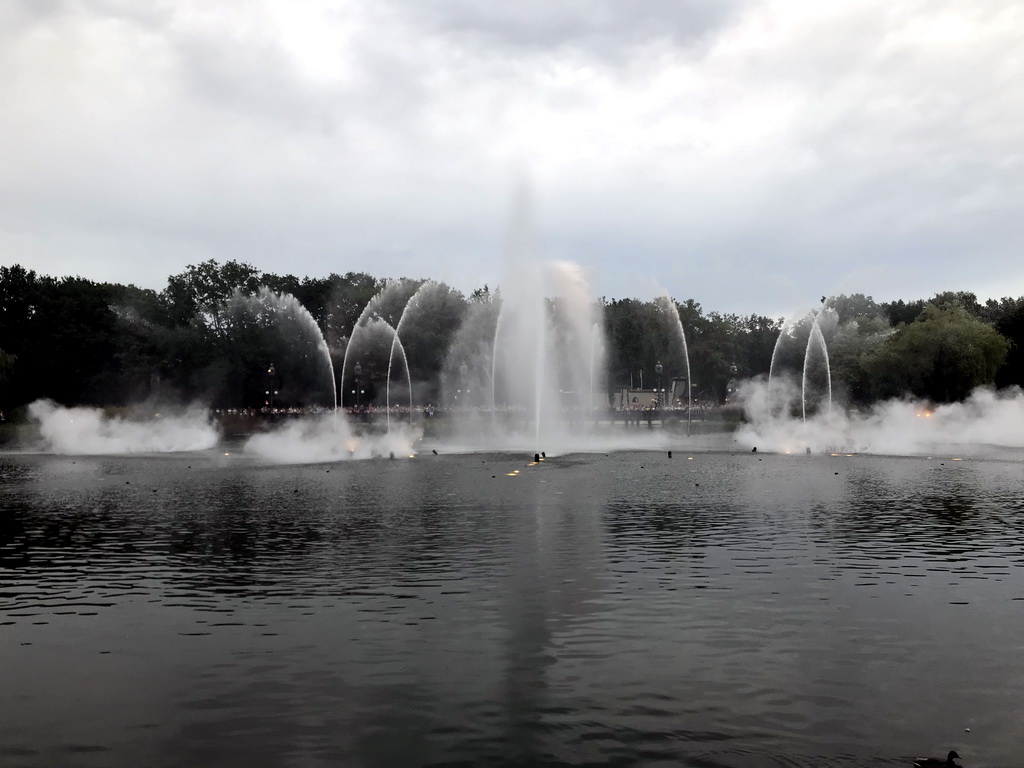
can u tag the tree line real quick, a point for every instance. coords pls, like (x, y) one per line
(81, 342)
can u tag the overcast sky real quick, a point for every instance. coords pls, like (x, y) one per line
(750, 154)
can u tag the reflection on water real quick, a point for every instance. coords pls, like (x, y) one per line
(629, 609)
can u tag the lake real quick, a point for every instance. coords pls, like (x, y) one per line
(716, 609)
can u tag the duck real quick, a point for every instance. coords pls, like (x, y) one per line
(934, 762)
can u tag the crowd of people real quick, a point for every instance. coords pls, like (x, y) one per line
(698, 408)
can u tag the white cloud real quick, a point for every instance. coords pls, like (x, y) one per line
(738, 153)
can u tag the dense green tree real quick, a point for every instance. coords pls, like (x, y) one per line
(715, 348)
(7, 363)
(850, 349)
(943, 355)
(854, 307)
(202, 290)
(63, 333)
(343, 298)
(758, 335)
(1008, 318)
(902, 312)
(965, 300)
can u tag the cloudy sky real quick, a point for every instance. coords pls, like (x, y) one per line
(749, 154)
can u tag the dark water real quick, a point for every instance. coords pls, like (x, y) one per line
(630, 609)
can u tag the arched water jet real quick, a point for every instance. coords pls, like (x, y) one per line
(384, 305)
(269, 307)
(412, 303)
(427, 326)
(790, 328)
(469, 361)
(670, 308)
(374, 346)
(815, 335)
(395, 341)
(771, 366)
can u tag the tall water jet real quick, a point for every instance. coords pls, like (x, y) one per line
(597, 353)
(544, 355)
(538, 369)
(494, 363)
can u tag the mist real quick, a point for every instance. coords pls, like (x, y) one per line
(327, 439)
(88, 431)
(987, 419)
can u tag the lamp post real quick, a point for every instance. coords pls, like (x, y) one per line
(463, 373)
(271, 390)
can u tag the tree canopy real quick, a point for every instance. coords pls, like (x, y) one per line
(942, 355)
(81, 342)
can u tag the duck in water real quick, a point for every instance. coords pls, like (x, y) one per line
(934, 762)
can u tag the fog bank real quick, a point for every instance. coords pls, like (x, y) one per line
(85, 431)
(895, 427)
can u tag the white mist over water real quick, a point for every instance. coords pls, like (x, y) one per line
(88, 431)
(604, 439)
(985, 420)
(314, 441)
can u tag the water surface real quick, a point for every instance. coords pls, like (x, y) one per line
(710, 610)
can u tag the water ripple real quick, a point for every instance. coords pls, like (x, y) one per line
(717, 612)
